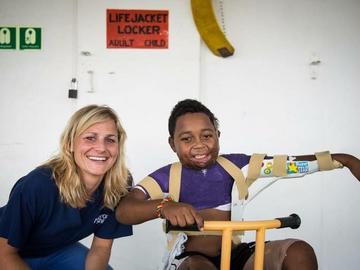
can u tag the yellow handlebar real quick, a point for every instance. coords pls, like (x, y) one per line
(260, 226)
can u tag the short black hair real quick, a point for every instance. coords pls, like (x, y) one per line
(189, 106)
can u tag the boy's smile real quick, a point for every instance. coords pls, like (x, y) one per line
(196, 141)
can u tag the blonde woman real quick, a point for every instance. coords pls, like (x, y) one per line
(68, 198)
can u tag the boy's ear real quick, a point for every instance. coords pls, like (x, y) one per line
(171, 143)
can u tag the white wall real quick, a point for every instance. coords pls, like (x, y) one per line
(34, 84)
(267, 102)
(263, 96)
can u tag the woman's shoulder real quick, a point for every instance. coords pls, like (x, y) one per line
(38, 179)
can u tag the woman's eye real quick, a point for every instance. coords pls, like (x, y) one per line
(90, 138)
(110, 140)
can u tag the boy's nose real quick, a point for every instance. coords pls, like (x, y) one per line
(198, 143)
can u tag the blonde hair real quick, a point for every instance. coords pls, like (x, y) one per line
(72, 189)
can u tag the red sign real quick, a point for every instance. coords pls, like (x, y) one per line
(137, 28)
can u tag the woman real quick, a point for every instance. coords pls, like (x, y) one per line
(70, 197)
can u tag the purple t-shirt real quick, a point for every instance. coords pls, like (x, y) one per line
(206, 188)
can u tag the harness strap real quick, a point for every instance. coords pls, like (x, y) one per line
(279, 166)
(236, 174)
(152, 187)
(255, 164)
(175, 181)
(175, 186)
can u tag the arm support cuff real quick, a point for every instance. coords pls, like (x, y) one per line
(326, 162)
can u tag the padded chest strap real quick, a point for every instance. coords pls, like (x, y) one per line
(231, 168)
(236, 174)
(152, 188)
(175, 181)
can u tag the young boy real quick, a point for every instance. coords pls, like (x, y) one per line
(205, 194)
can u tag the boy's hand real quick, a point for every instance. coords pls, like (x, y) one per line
(349, 161)
(354, 166)
(181, 214)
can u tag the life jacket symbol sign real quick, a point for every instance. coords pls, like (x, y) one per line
(7, 37)
(30, 38)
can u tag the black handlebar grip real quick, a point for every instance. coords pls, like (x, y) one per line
(169, 227)
(293, 221)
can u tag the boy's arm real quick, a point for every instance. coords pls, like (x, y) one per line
(135, 208)
(349, 161)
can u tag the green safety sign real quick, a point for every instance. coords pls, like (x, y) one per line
(7, 37)
(29, 38)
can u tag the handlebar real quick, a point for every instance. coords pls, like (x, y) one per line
(226, 228)
(292, 221)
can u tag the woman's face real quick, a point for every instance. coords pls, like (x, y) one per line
(95, 152)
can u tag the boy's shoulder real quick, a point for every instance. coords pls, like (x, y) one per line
(238, 159)
(161, 172)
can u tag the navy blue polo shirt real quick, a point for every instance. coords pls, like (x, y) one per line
(36, 222)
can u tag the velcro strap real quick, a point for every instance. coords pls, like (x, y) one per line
(325, 161)
(152, 188)
(175, 181)
(279, 166)
(255, 164)
(236, 174)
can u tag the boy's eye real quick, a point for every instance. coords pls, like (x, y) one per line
(207, 136)
(185, 139)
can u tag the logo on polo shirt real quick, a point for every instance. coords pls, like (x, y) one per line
(100, 219)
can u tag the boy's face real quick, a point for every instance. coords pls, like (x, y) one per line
(196, 141)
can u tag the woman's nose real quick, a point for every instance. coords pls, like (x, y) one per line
(100, 145)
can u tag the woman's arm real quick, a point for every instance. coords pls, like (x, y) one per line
(99, 254)
(9, 257)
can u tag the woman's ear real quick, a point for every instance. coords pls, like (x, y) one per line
(171, 143)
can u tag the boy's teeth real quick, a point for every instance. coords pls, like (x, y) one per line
(199, 156)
